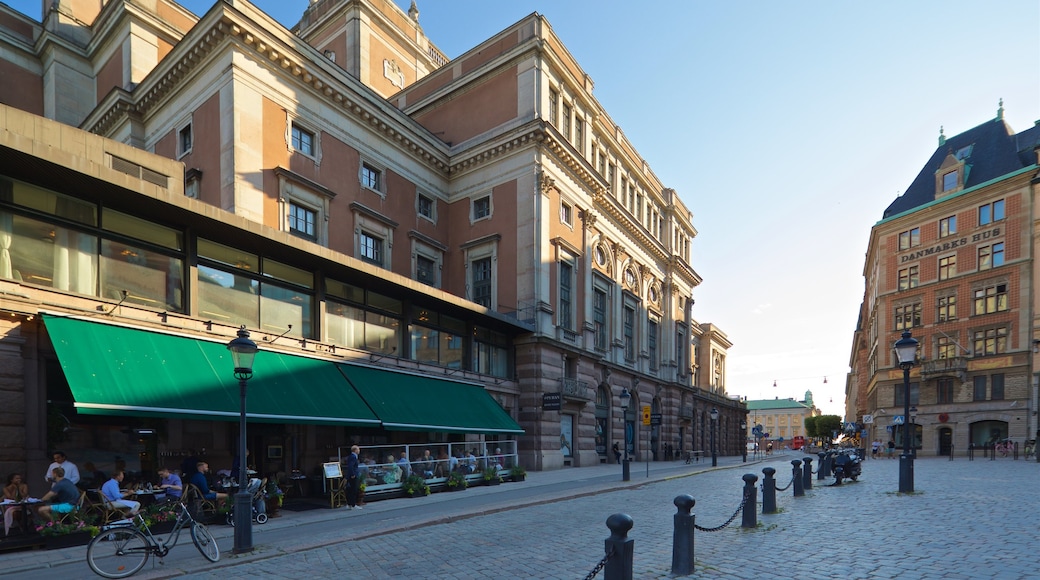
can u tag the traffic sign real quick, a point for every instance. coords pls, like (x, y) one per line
(646, 415)
(897, 420)
(655, 419)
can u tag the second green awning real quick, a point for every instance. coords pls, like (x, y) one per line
(114, 370)
(408, 402)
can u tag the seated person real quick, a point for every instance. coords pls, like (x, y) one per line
(406, 468)
(170, 483)
(15, 490)
(393, 471)
(63, 496)
(198, 479)
(116, 497)
(425, 465)
(453, 461)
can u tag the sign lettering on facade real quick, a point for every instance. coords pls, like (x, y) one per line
(551, 401)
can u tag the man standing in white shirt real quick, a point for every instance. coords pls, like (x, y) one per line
(71, 471)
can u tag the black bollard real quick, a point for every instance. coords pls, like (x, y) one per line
(821, 467)
(619, 566)
(682, 536)
(768, 491)
(807, 473)
(796, 477)
(951, 451)
(749, 519)
(626, 470)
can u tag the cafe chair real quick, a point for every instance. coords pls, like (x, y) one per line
(196, 502)
(105, 511)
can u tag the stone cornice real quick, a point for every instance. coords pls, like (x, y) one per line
(338, 88)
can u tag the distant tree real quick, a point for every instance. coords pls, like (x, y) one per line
(823, 426)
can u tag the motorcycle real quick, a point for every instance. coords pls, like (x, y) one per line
(847, 465)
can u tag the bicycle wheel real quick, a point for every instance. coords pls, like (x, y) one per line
(118, 553)
(205, 542)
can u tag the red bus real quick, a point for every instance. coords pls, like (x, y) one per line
(798, 442)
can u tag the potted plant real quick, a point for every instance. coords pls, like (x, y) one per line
(491, 476)
(456, 481)
(273, 499)
(159, 517)
(60, 534)
(517, 473)
(414, 485)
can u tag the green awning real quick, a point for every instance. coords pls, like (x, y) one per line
(113, 370)
(408, 402)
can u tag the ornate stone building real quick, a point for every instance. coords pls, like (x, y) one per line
(351, 196)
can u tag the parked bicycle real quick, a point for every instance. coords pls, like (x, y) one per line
(122, 548)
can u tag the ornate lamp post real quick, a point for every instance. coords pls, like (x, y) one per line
(714, 424)
(743, 439)
(242, 352)
(626, 398)
(906, 352)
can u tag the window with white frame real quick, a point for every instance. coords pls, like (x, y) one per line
(481, 256)
(302, 140)
(370, 248)
(185, 139)
(427, 258)
(425, 270)
(653, 325)
(566, 122)
(480, 273)
(302, 137)
(566, 213)
(554, 107)
(481, 208)
(303, 221)
(599, 317)
(628, 330)
(371, 177)
(426, 206)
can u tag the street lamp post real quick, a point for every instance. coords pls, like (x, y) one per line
(626, 398)
(743, 438)
(714, 424)
(906, 352)
(242, 352)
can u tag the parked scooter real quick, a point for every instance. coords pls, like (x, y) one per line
(847, 465)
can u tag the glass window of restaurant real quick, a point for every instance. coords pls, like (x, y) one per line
(436, 338)
(237, 287)
(364, 320)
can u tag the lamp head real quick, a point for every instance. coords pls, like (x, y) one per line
(714, 414)
(625, 398)
(906, 350)
(242, 352)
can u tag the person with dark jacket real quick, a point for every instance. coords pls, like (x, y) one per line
(353, 479)
(617, 452)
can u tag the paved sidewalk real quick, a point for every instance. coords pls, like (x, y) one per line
(966, 520)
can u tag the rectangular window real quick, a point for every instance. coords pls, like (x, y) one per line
(681, 347)
(991, 299)
(908, 316)
(554, 108)
(947, 308)
(566, 318)
(947, 267)
(996, 387)
(629, 328)
(944, 391)
(371, 249)
(950, 180)
(184, 139)
(482, 281)
(599, 318)
(948, 226)
(908, 278)
(909, 239)
(915, 394)
(425, 206)
(566, 128)
(979, 393)
(302, 222)
(602, 166)
(991, 341)
(481, 207)
(946, 347)
(425, 270)
(566, 213)
(651, 342)
(991, 212)
(610, 179)
(991, 256)
(579, 135)
(371, 177)
(302, 140)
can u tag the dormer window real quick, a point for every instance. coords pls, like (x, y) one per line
(949, 181)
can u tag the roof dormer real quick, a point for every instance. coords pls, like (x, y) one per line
(953, 172)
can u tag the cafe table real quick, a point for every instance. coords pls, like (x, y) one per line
(25, 507)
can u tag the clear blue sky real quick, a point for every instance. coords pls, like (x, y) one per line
(786, 127)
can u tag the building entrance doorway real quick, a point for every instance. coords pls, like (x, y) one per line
(945, 441)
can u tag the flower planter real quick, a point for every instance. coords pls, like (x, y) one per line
(66, 540)
(162, 527)
(519, 477)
